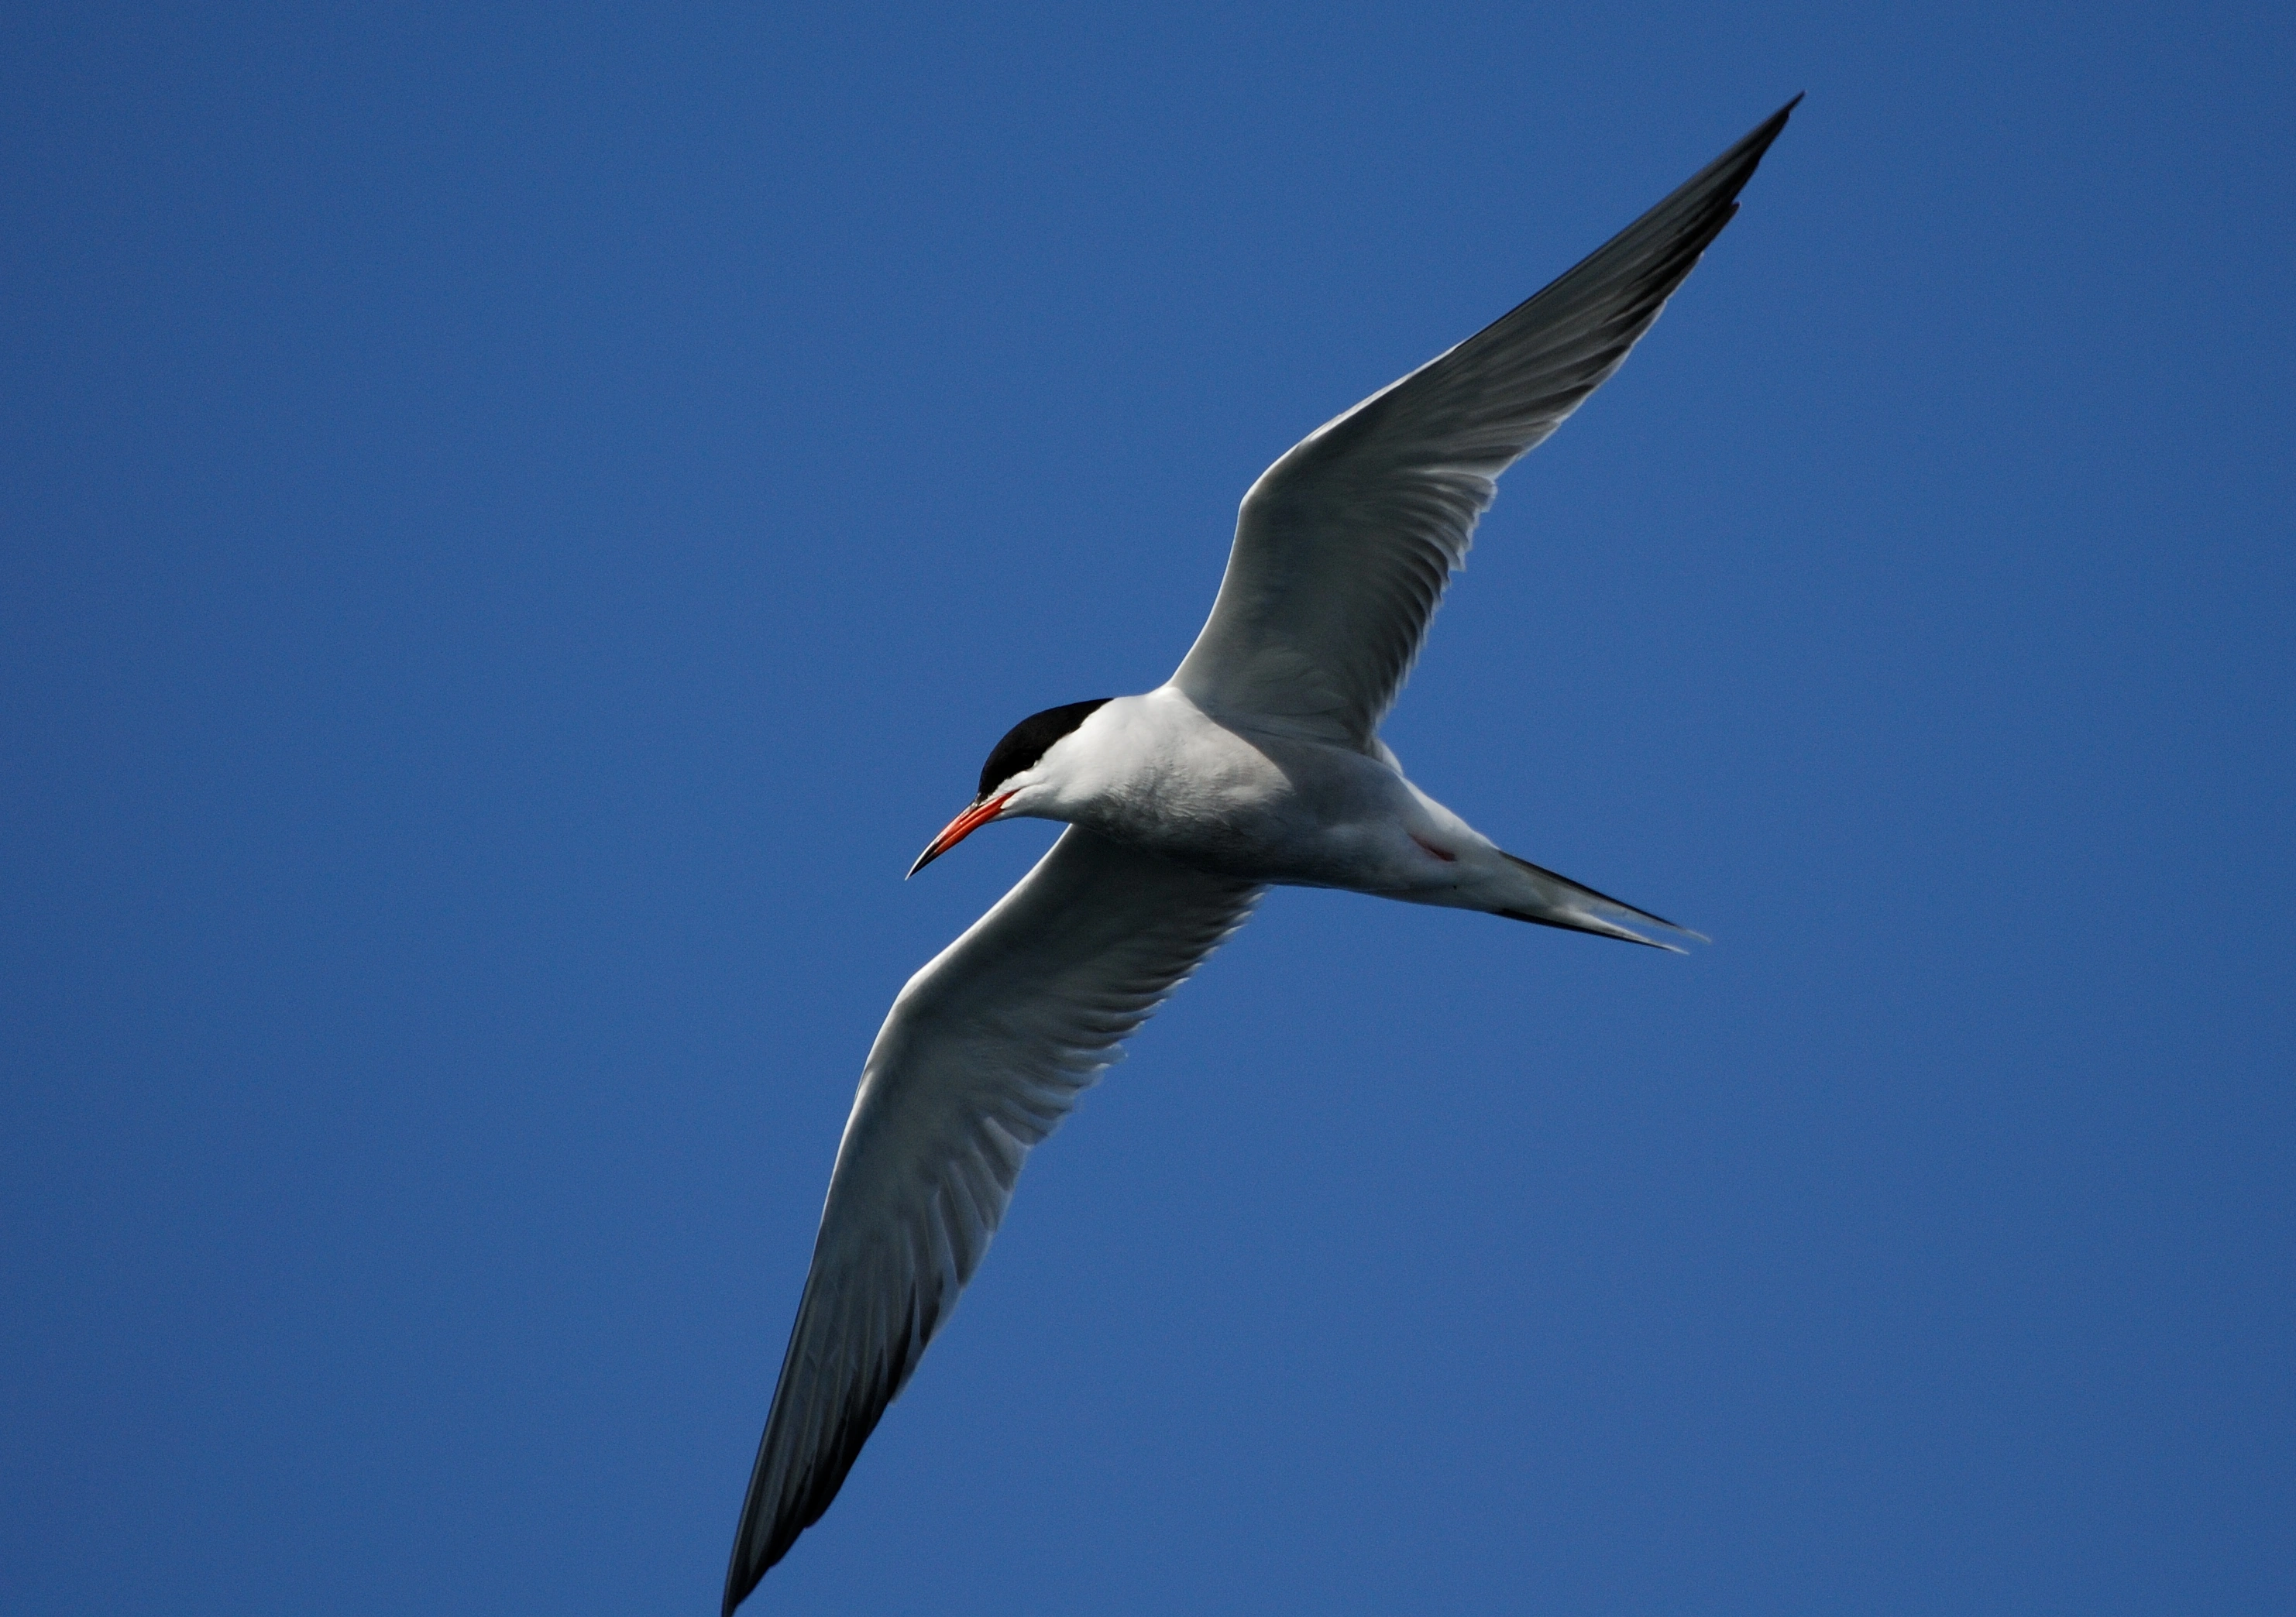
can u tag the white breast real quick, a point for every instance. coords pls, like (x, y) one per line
(1158, 773)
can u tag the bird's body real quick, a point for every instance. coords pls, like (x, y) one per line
(1229, 798)
(1157, 772)
(1257, 764)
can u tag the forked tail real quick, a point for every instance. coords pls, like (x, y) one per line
(1549, 900)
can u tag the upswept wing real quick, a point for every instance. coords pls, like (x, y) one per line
(983, 1053)
(1343, 547)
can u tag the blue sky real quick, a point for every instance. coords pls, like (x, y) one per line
(520, 522)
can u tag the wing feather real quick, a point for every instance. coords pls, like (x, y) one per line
(983, 1053)
(1344, 546)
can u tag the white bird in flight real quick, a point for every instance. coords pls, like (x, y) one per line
(1259, 764)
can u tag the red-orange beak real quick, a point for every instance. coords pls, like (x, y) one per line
(957, 830)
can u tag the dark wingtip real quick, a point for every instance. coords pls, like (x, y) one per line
(738, 1587)
(740, 1583)
(1755, 141)
(1767, 129)
(747, 1568)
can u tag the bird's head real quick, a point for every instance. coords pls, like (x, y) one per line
(1021, 778)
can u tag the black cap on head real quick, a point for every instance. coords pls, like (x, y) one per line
(1031, 738)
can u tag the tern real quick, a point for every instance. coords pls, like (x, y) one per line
(1259, 764)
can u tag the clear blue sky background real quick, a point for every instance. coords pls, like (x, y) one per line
(519, 521)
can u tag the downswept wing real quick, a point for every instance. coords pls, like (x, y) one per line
(1343, 547)
(983, 1053)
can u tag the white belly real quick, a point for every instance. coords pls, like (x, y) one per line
(1236, 802)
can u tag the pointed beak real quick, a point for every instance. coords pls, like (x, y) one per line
(957, 830)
